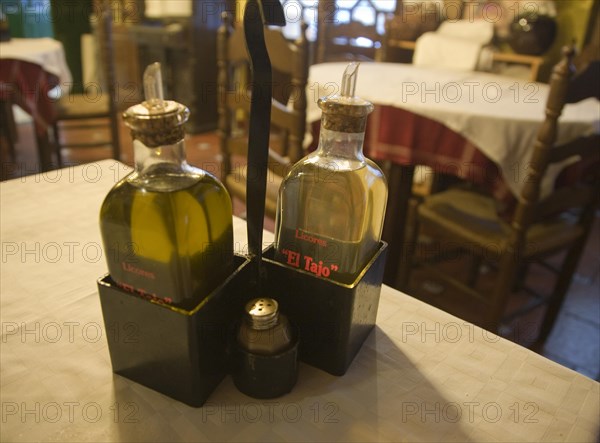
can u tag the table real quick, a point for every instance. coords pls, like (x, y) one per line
(29, 70)
(422, 375)
(498, 116)
(46, 52)
(478, 126)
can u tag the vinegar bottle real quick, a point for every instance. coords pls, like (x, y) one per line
(331, 204)
(166, 227)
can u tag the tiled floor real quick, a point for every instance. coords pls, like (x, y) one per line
(574, 341)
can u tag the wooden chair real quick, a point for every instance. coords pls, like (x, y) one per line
(92, 111)
(27, 85)
(336, 41)
(539, 227)
(288, 111)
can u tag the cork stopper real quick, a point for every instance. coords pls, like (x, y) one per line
(345, 112)
(155, 121)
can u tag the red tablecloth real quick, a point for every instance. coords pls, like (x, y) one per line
(409, 139)
(28, 87)
(405, 138)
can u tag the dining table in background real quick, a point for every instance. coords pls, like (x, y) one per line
(46, 52)
(421, 375)
(477, 126)
(33, 73)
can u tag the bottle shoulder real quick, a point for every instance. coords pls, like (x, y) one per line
(117, 189)
(376, 170)
(164, 178)
(202, 187)
(315, 163)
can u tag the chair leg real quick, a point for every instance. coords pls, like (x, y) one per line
(473, 273)
(505, 278)
(114, 133)
(521, 276)
(409, 246)
(563, 282)
(56, 142)
(9, 127)
(400, 185)
(44, 147)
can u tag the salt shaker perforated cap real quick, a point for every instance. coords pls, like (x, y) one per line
(262, 313)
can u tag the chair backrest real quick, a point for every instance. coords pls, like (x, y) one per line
(340, 41)
(290, 76)
(106, 52)
(104, 33)
(112, 62)
(85, 109)
(579, 194)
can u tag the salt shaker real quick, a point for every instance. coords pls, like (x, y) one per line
(265, 358)
(264, 330)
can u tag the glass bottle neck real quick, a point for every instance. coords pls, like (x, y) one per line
(169, 158)
(348, 145)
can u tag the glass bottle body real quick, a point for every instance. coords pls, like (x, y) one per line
(331, 209)
(167, 228)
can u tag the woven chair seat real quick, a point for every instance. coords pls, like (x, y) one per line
(473, 216)
(81, 106)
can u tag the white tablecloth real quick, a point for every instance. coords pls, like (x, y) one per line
(499, 115)
(422, 375)
(46, 52)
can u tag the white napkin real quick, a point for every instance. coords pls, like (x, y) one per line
(456, 45)
(441, 51)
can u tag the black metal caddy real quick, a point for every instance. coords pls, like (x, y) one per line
(186, 354)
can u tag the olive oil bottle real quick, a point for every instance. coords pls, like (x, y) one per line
(166, 227)
(331, 204)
